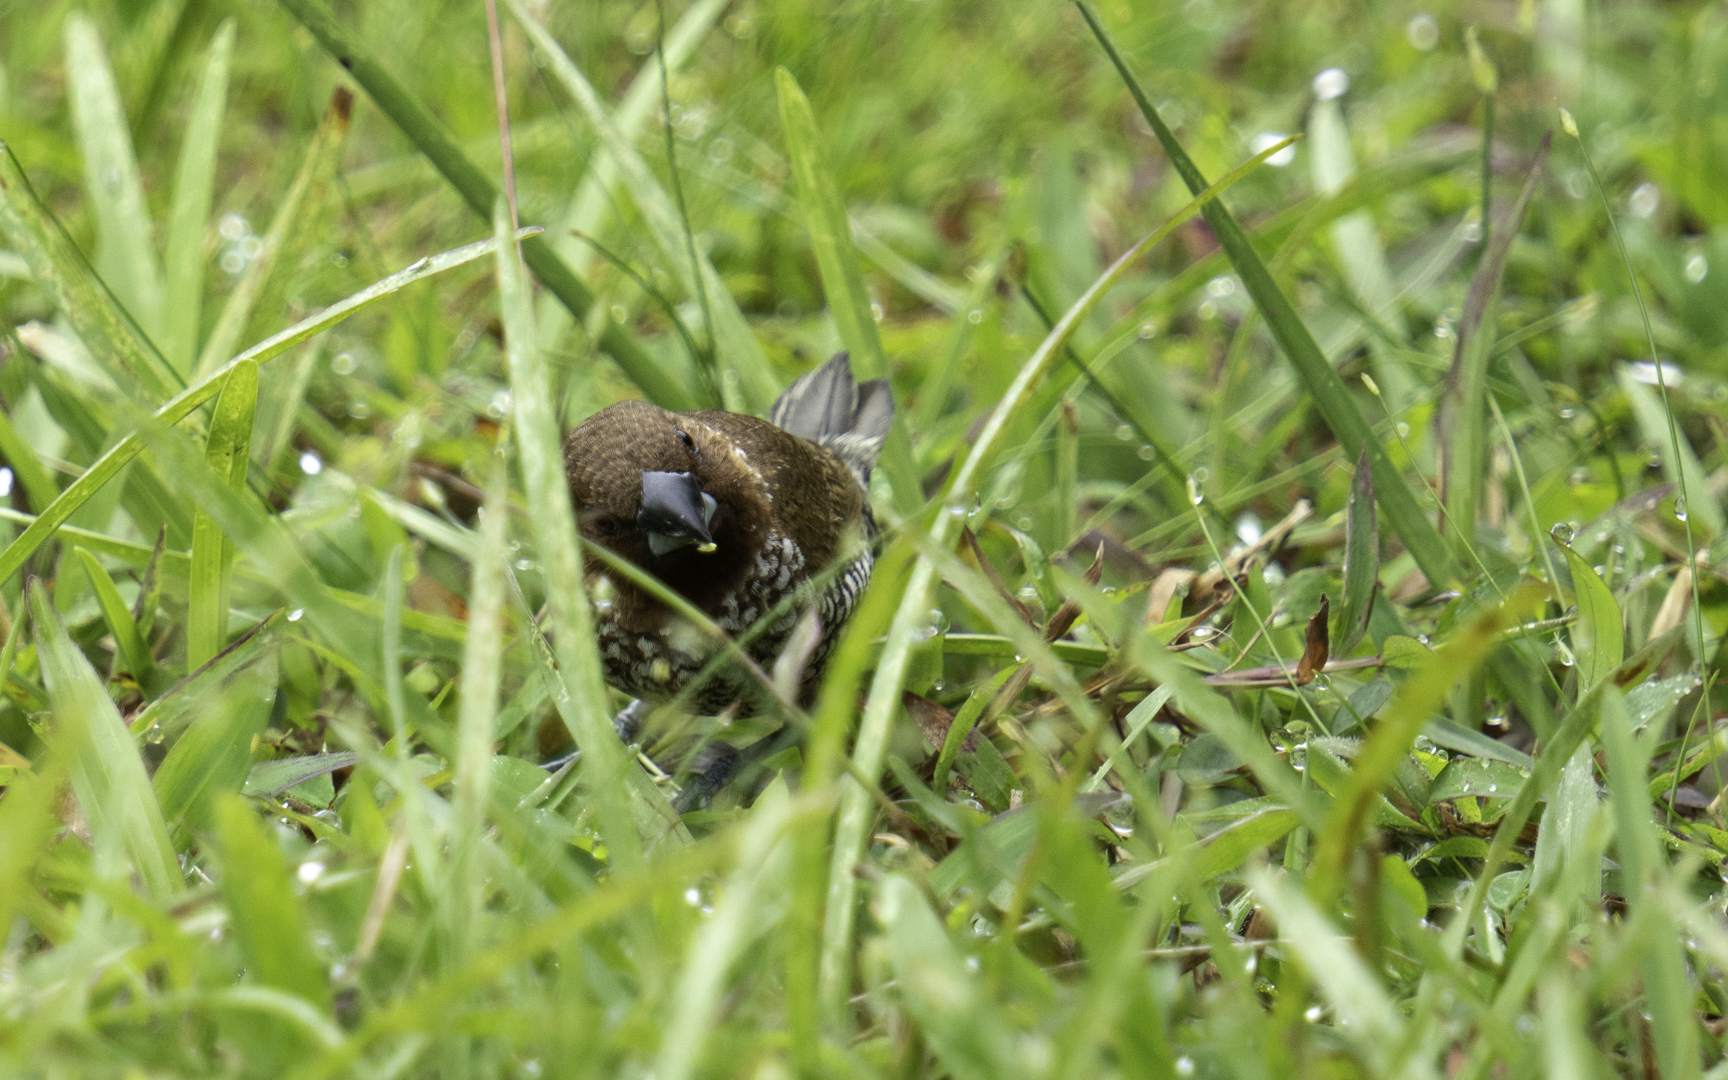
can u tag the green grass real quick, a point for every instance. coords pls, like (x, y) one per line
(280, 399)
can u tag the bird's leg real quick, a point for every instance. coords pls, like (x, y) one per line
(718, 764)
(628, 724)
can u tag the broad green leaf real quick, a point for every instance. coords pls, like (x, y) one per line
(227, 451)
(1322, 382)
(107, 773)
(134, 650)
(436, 142)
(289, 230)
(116, 457)
(188, 221)
(103, 325)
(214, 756)
(275, 777)
(125, 254)
(1599, 635)
(1474, 776)
(264, 911)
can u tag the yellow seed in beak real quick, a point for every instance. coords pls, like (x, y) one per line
(660, 670)
(706, 548)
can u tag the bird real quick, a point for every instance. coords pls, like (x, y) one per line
(736, 514)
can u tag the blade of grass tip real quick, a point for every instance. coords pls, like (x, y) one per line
(102, 323)
(436, 142)
(912, 615)
(1599, 635)
(477, 714)
(294, 218)
(134, 653)
(116, 457)
(1668, 990)
(734, 354)
(1361, 559)
(106, 770)
(849, 303)
(124, 255)
(194, 187)
(227, 451)
(610, 772)
(1322, 382)
(1464, 420)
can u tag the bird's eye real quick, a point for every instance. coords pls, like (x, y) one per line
(608, 526)
(686, 441)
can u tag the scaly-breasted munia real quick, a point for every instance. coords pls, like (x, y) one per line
(735, 514)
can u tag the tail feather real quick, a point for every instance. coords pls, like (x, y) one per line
(828, 407)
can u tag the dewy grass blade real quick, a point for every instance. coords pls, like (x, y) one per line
(264, 910)
(612, 775)
(188, 221)
(1324, 385)
(436, 142)
(214, 756)
(295, 217)
(856, 806)
(109, 465)
(124, 256)
(107, 772)
(736, 349)
(102, 323)
(227, 450)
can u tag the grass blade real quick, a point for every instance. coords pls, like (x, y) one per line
(227, 451)
(194, 184)
(133, 650)
(107, 773)
(214, 756)
(907, 628)
(116, 457)
(612, 775)
(287, 233)
(477, 715)
(736, 351)
(1463, 415)
(849, 303)
(266, 914)
(435, 141)
(125, 256)
(1361, 560)
(1323, 383)
(1668, 990)
(102, 323)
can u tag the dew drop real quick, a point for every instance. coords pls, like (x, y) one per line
(1125, 432)
(296, 615)
(1564, 654)
(1563, 531)
(1147, 453)
(1195, 495)
(1680, 507)
(1568, 412)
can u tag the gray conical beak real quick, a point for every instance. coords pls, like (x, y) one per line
(675, 512)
